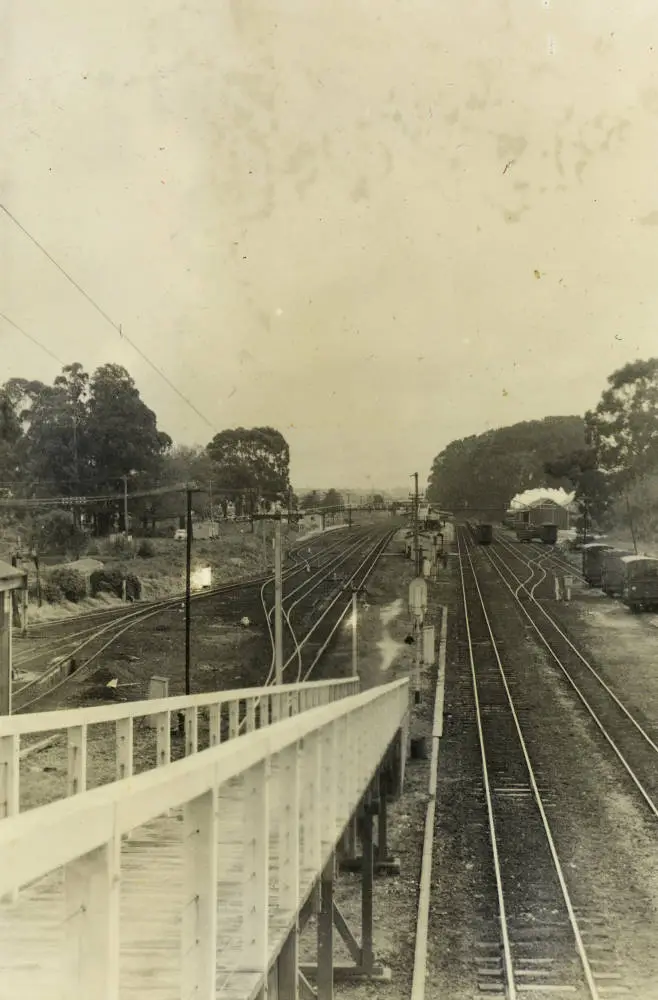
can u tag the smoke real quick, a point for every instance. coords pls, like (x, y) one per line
(389, 647)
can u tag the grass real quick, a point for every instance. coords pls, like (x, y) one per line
(236, 553)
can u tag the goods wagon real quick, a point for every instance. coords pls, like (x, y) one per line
(640, 582)
(612, 571)
(548, 534)
(484, 533)
(593, 554)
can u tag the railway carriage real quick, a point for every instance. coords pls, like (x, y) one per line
(484, 534)
(612, 571)
(592, 554)
(640, 582)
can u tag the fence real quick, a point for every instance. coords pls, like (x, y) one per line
(261, 818)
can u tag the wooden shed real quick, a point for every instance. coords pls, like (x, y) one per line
(11, 578)
(543, 511)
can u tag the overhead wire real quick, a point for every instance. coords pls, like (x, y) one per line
(30, 337)
(116, 326)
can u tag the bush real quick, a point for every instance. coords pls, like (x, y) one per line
(51, 593)
(133, 587)
(106, 581)
(146, 550)
(110, 581)
(71, 583)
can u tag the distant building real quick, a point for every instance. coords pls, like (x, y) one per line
(543, 511)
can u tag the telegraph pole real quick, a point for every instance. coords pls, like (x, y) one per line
(278, 603)
(191, 488)
(125, 505)
(416, 543)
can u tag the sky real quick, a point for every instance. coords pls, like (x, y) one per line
(375, 225)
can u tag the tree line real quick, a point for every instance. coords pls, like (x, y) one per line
(608, 457)
(91, 435)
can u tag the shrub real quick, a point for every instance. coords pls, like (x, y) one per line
(106, 581)
(71, 583)
(110, 581)
(146, 549)
(50, 592)
(133, 587)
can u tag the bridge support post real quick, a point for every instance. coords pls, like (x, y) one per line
(330, 917)
(377, 805)
(325, 974)
(288, 966)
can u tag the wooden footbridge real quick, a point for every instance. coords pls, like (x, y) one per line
(193, 879)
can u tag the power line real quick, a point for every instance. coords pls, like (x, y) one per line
(30, 337)
(108, 319)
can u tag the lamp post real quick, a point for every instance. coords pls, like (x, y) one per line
(125, 499)
(356, 593)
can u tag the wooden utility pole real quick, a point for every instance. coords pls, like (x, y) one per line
(630, 522)
(191, 488)
(415, 515)
(278, 603)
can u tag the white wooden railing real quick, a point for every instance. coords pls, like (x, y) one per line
(288, 789)
(99, 744)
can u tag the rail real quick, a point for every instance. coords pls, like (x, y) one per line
(227, 714)
(261, 818)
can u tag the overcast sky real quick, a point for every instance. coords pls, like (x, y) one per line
(376, 225)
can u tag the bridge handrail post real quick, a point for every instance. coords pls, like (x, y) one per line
(124, 748)
(250, 715)
(233, 719)
(163, 738)
(289, 787)
(191, 730)
(91, 915)
(200, 895)
(215, 724)
(311, 826)
(255, 871)
(76, 774)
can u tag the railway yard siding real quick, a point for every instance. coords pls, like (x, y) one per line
(578, 877)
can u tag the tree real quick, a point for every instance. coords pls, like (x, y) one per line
(579, 471)
(623, 429)
(332, 498)
(482, 473)
(11, 433)
(121, 431)
(310, 500)
(253, 461)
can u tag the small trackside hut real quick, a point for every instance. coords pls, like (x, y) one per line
(11, 579)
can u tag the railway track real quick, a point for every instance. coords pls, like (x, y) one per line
(88, 644)
(634, 741)
(318, 597)
(536, 936)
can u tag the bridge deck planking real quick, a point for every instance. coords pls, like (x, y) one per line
(32, 953)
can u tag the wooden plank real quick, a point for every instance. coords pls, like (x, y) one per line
(199, 924)
(45, 722)
(163, 738)
(124, 748)
(77, 760)
(91, 924)
(255, 886)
